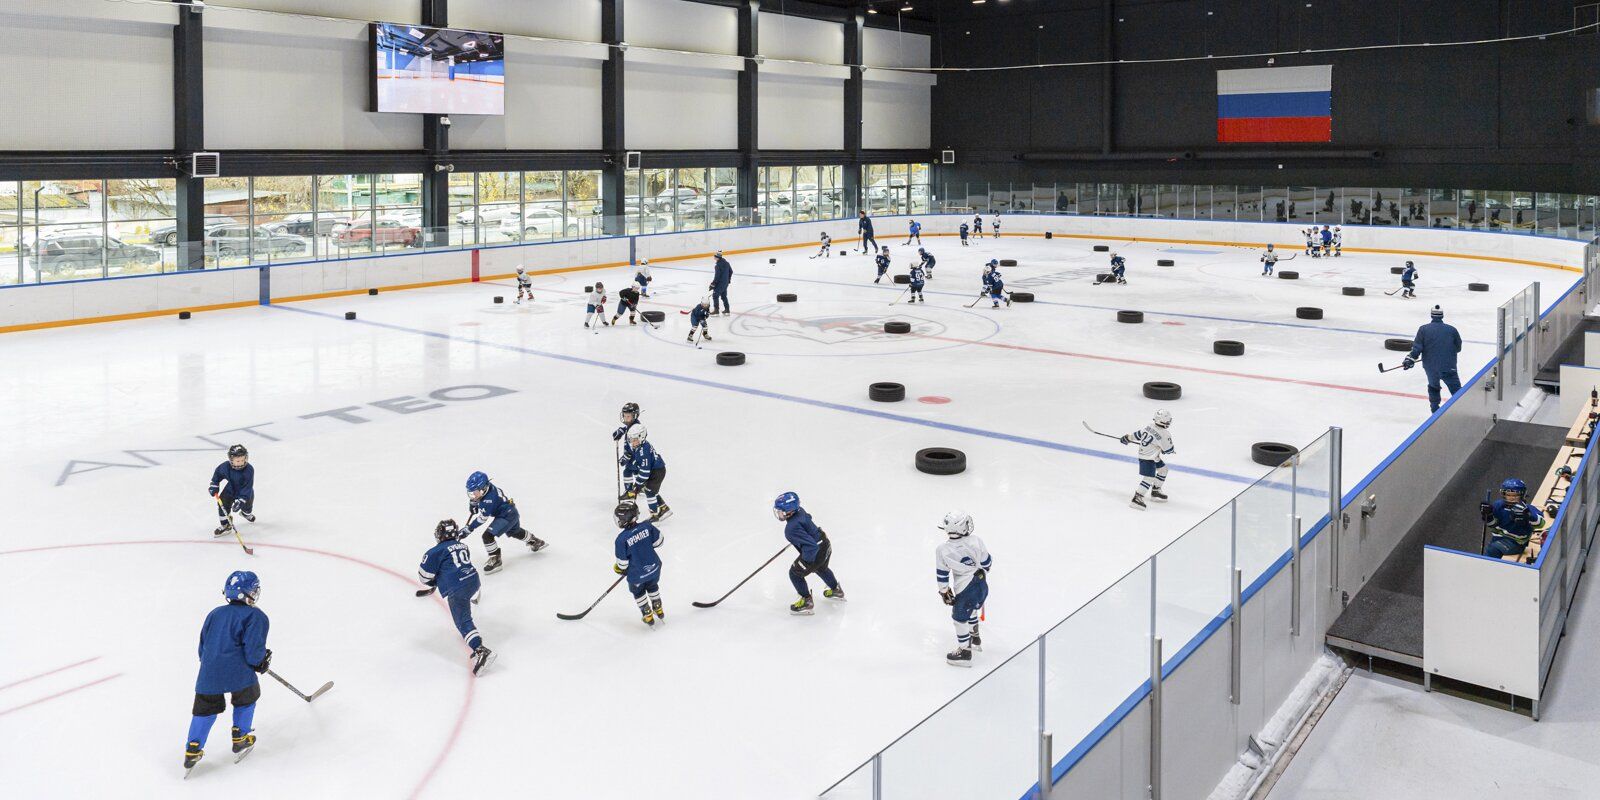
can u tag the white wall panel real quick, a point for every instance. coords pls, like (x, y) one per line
(85, 84)
(884, 48)
(560, 19)
(681, 25)
(800, 38)
(895, 115)
(369, 10)
(269, 90)
(551, 103)
(672, 108)
(800, 113)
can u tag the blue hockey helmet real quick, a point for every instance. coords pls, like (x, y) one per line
(242, 585)
(476, 481)
(922, 251)
(786, 504)
(1510, 485)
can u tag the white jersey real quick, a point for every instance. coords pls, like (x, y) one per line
(597, 298)
(1153, 441)
(1311, 236)
(642, 272)
(524, 280)
(1338, 238)
(1269, 257)
(957, 560)
(826, 240)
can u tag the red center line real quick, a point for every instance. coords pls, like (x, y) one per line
(60, 693)
(47, 674)
(1115, 360)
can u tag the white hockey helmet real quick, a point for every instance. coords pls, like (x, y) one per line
(1162, 418)
(637, 432)
(706, 301)
(956, 524)
(644, 262)
(520, 270)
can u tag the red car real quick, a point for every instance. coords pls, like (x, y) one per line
(389, 231)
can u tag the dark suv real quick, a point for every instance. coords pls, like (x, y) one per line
(77, 250)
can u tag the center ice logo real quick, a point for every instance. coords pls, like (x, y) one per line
(771, 321)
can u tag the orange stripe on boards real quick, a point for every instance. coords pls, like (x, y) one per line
(63, 323)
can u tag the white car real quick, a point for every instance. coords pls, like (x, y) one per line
(489, 216)
(538, 222)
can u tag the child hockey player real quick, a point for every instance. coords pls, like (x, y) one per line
(993, 285)
(1512, 521)
(628, 416)
(699, 319)
(883, 264)
(627, 301)
(1326, 241)
(916, 284)
(233, 650)
(1119, 269)
(994, 225)
(927, 262)
(636, 558)
(497, 515)
(524, 285)
(915, 233)
(811, 542)
(596, 308)
(977, 225)
(641, 277)
(1311, 241)
(1269, 260)
(643, 471)
(233, 484)
(1154, 441)
(1408, 282)
(1338, 242)
(962, 566)
(447, 566)
(827, 246)
(963, 229)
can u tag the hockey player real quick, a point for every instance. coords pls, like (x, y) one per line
(827, 246)
(977, 225)
(1327, 241)
(811, 542)
(917, 281)
(496, 514)
(643, 471)
(524, 285)
(596, 307)
(233, 650)
(1512, 520)
(963, 230)
(864, 227)
(961, 566)
(927, 262)
(233, 484)
(915, 232)
(722, 276)
(627, 301)
(1269, 261)
(882, 260)
(1119, 269)
(1437, 344)
(628, 417)
(993, 285)
(636, 558)
(1154, 441)
(447, 566)
(699, 317)
(994, 225)
(641, 277)
(1311, 241)
(1338, 242)
(1408, 282)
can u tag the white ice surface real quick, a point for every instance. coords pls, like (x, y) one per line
(738, 701)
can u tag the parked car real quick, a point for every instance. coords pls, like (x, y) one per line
(231, 240)
(490, 216)
(306, 225)
(537, 222)
(168, 234)
(388, 230)
(77, 250)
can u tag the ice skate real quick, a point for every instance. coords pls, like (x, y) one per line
(1157, 494)
(662, 512)
(191, 757)
(493, 564)
(223, 529)
(648, 616)
(803, 606)
(481, 659)
(977, 642)
(661, 613)
(834, 594)
(243, 743)
(959, 657)
(1138, 502)
(248, 517)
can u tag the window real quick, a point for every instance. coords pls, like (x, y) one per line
(463, 192)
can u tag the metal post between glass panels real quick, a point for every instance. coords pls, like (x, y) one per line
(1294, 562)
(1235, 629)
(1335, 498)
(877, 776)
(1155, 714)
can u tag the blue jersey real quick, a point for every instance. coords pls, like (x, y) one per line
(232, 641)
(241, 482)
(636, 553)
(1516, 521)
(697, 315)
(723, 275)
(916, 275)
(642, 461)
(864, 226)
(448, 565)
(495, 510)
(1409, 275)
(1327, 236)
(916, 228)
(804, 535)
(927, 260)
(622, 430)
(883, 263)
(964, 230)
(992, 281)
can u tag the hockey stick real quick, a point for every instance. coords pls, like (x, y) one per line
(977, 301)
(1097, 433)
(425, 592)
(900, 295)
(1392, 294)
(314, 695)
(1382, 368)
(1485, 542)
(698, 604)
(228, 515)
(585, 612)
(617, 448)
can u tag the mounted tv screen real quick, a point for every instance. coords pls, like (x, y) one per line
(420, 70)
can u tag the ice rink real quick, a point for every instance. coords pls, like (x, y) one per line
(363, 432)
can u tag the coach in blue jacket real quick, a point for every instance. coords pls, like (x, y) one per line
(719, 284)
(1437, 345)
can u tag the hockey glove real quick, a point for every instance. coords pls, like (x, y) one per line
(238, 506)
(1408, 363)
(266, 661)
(947, 596)
(1124, 440)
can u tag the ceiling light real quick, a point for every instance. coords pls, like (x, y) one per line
(906, 7)
(872, 11)
(979, 2)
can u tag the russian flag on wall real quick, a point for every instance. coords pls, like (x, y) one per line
(1276, 104)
